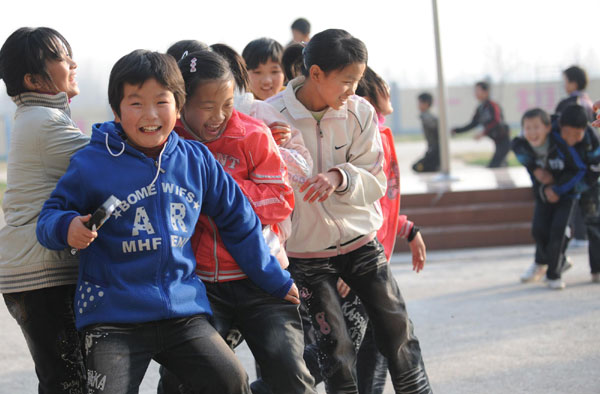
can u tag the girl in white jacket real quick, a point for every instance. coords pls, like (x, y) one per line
(337, 214)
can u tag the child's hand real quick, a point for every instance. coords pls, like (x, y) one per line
(543, 176)
(479, 135)
(596, 123)
(282, 132)
(417, 248)
(551, 196)
(79, 236)
(293, 296)
(321, 186)
(342, 288)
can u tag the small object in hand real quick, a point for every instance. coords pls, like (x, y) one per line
(101, 215)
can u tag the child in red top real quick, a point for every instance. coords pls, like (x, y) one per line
(247, 151)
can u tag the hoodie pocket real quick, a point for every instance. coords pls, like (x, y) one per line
(88, 296)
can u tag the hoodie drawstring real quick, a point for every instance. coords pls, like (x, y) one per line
(159, 169)
(108, 148)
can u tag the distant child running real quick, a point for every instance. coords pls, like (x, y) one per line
(247, 151)
(489, 115)
(138, 296)
(337, 215)
(38, 284)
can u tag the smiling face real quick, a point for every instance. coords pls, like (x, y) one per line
(535, 131)
(572, 135)
(266, 80)
(209, 109)
(148, 113)
(334, 87)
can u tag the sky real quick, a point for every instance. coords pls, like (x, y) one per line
(510, 40)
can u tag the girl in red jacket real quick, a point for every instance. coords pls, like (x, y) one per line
(247, 151)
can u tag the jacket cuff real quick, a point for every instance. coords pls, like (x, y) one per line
(343, 187)
(283, 290)
(62, 228)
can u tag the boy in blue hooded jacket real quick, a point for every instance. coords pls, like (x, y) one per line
(138, 297)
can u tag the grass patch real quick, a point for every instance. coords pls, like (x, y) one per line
(483, 158)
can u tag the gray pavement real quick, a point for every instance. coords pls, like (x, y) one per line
(481, 331)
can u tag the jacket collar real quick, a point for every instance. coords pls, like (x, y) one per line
(298, 110)
(109, 136)
(34, 99)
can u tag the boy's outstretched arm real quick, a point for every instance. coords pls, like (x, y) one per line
(241, 230)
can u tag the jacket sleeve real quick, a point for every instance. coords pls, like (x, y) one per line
(67, 201)
(240, 229)
(363, 174)
(267, 190)
(404, 226)
(572, 174)
(524, 154)
(474, 123)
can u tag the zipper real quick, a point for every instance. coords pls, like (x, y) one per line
(214, 231)
(320, 168)
(165, 258)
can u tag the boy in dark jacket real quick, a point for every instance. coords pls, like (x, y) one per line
(489, 115)
(138, 297)
(431, 160)
(555, 172)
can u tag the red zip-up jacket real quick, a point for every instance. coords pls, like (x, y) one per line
(247, 152)
(393, 224)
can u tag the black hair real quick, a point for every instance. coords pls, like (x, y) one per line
(576, 74)
(485, 86)
(426, 98)
(292, 61)
(178, 49)
(302, 25)
(139, 66)
(260, 51)
(536, 113)
(371, 85)
(333, 49)
(574, 116)
(204, 66)
(236, 65)
(26, 51)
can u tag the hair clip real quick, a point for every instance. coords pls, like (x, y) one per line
(193, 65)
(184, 55)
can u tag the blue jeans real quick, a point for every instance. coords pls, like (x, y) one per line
(272, 329)
(47, 321)
(367, 272)
(119, 354)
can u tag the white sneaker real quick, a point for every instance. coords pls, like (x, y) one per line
(596, 277)
(555, 284)
(534, 273)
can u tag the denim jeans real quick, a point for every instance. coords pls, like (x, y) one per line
(590, 209)
(272, 329)
(548, 229)
(368, 273)
(47, 321)
(118, 356)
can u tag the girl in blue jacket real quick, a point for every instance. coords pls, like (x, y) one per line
(138, 297)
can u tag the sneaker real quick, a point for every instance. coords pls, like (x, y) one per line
(567, 265)
(534, 273)
(555, 284)
(596, 277)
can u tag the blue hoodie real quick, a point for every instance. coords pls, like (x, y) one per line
(141, 267)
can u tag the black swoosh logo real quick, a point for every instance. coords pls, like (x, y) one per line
(340, 147)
